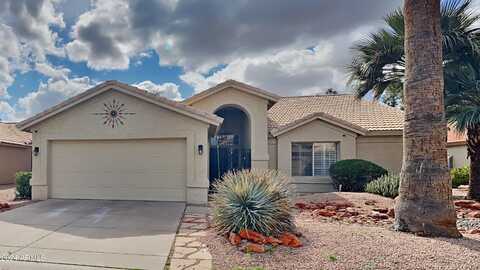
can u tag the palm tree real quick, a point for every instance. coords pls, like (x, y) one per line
(424, 205)
(462, 99)
(379, 62)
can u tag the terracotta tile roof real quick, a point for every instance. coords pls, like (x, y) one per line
(369, 115)
(455, 138)
(10, 134)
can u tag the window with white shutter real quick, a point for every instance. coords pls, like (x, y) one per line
(313, 159)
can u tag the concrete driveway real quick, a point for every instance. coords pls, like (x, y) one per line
(80, 234)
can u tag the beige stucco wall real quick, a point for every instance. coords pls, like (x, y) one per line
(12, 160)
(149, 122)
(256, 109)
(315, 131)
(385, 151)
(272, 153)
(459, 154)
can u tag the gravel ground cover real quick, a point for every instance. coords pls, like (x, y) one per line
(334, 244)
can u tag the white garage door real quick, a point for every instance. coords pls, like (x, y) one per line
(119, 170)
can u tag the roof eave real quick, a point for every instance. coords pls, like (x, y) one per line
(126, 89)
(318, 116)
(458, 143)
(386, 132)
(15, 144)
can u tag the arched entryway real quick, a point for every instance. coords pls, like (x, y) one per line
(230, 146)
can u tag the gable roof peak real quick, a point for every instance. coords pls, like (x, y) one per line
(126, 89)
(271, 97)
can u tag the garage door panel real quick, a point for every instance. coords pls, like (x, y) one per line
(130, 170)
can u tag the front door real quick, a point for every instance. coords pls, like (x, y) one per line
(226, 154)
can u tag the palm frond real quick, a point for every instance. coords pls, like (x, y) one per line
(379, 59)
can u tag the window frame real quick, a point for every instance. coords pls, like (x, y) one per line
(337, 150)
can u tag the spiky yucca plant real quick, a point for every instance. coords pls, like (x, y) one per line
(252, 199)
(385, 185)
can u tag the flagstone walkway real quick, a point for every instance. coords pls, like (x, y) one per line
(189, 253)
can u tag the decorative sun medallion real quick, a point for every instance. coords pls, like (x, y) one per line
(113, 114)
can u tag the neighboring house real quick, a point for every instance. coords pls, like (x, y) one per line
(15, 152)
(116, 141)
(457, 149)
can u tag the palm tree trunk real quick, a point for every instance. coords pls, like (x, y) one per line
(473, 148)
(424, 205)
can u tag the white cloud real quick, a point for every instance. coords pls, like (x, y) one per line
(255, 43)
(199, 35)
(9, 53)
(7, 113)
(288, 72)
(31, 22)
(102, 37)
(27, 36)
(49, 94)
(49, 71)
(168, 90)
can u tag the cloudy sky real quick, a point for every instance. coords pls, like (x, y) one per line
(53, 49)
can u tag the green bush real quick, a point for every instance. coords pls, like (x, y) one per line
(254, 200)
(22, 180)
(354, 174)
(460, 176)
(386, 185)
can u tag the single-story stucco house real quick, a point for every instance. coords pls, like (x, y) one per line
(15, 152)
(457, 149)
(115, 141)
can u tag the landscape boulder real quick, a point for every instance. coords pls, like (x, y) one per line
(252, 236)
(290, 240)
(234, 239)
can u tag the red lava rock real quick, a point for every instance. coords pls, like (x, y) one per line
(370, 202)
(234, 239)
(323, 213)
(290, 240)
(256, 248)
(301, 205)
(319, 205)
(252, 236)
(4, 205)
(381, 210)
(343, 205)
(391, 212)
(377, 215)
(475, 206)
(474, 214)
(474, 231)
(273, 241)
(463, 203)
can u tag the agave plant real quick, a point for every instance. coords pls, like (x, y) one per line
(254, 200)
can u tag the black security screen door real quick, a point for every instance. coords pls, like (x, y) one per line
(226, 154)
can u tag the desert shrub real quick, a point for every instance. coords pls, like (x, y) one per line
(22, 180)
(254, 200)
(386, 185)
(354, 174)
(460, 176)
